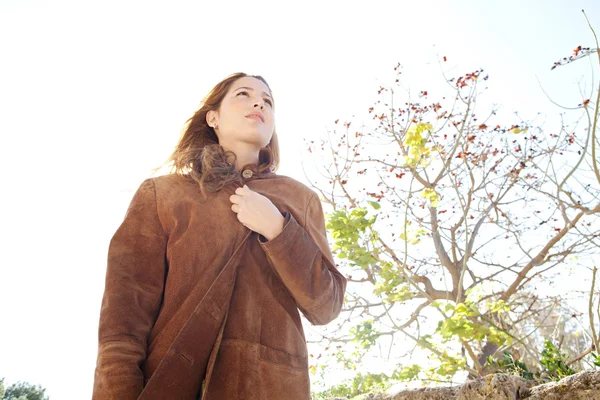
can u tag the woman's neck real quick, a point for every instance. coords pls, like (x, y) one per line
(245, 154)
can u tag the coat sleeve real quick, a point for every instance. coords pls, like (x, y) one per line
(301, 257)
(133, 293)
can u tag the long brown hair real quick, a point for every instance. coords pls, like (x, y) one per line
(198, 154)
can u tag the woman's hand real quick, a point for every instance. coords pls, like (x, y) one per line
(256, 212)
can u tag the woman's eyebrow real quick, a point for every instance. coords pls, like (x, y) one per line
(249, 88)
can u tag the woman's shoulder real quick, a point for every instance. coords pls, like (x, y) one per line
(172, 185)
(288, 188)
(292, 184)
(166, 179)
(170, 179)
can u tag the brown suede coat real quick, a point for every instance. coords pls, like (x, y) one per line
(193, 298)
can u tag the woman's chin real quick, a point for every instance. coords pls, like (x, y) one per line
(261, 139)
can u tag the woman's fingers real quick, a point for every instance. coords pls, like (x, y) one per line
(243, 190)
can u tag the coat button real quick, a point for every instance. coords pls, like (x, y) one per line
(247, 174)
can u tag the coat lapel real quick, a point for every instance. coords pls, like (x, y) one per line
(181, 371)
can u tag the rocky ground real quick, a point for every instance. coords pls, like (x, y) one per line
(584, 385)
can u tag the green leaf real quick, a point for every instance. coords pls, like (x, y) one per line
(374, 204)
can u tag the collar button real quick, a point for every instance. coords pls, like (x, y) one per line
(247, 174)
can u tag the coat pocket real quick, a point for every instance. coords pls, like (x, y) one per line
(283, 359)
(281, 377)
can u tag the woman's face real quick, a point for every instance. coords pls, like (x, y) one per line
(245, 116)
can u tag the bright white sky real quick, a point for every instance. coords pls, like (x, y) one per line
(93, 95)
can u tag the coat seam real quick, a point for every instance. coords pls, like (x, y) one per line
(306, 209)
(156, 208)
(264, 345)
(286, 367)
(117, 339)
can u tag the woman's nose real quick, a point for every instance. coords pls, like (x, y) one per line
(260, 103)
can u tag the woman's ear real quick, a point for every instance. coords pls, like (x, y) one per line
(212, 119)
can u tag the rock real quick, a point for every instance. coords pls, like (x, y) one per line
(492, 387)
(441, 393)
(584, 385)
(495, 387)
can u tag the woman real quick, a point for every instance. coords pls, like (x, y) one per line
(207, 272)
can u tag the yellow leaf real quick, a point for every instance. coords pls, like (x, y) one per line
(516, 130)
(432, 196)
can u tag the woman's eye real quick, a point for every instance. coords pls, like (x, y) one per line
(243, 92)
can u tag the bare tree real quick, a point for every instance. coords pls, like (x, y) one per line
(450, 224)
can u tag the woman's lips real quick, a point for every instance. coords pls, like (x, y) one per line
(255, 117)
